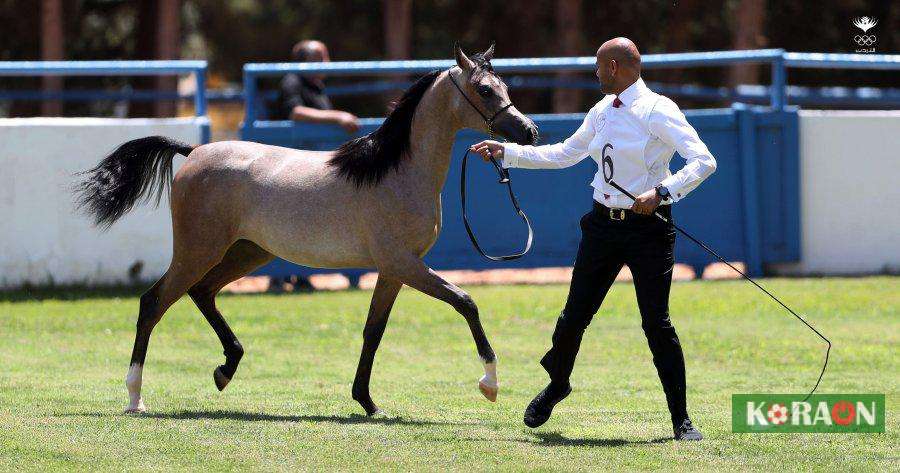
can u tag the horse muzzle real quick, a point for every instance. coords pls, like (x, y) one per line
(516, 127)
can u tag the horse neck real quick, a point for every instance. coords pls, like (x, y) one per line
(431, 137)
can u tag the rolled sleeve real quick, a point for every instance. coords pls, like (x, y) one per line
(670, 125)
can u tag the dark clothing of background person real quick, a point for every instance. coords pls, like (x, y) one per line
(297, 90)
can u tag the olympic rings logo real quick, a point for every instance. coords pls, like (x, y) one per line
(865, 39)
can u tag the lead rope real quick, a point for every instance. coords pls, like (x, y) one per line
(504, 179)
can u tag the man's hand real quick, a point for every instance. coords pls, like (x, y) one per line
(487, 148)
(646, 203)
(348, 122)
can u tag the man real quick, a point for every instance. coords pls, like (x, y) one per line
(303, 99)
(632, 134)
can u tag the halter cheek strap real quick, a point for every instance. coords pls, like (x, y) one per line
(488, 121)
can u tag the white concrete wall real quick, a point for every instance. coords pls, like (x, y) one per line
(42, 238)
(850, 193)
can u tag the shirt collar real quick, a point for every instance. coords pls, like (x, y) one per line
(633, 91)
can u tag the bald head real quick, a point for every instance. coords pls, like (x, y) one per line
(310, 50)
(618, 65)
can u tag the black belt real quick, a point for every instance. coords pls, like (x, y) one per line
(627, 214)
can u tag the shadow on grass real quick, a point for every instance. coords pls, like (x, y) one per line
(70, 293)
(262, 417)
(553, 439)
(83, 292)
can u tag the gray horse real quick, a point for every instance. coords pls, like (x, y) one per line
(375, 202)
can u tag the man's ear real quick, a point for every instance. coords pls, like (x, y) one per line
(489, 54)
(462, 60)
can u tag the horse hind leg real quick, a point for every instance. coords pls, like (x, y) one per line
(184, 271)
(386, 290)
(243, 257)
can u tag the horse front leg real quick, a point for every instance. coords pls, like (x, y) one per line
(383, 298)
(413, 272)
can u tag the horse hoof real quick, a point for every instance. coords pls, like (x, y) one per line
(138, 409)
(489, 392)
(220, 378)
(378, 414)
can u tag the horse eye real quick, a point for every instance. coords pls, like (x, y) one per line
(484, 91)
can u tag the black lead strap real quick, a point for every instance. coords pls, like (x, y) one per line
(613, 183)
(504, 179)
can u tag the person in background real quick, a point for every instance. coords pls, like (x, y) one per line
(303, 98)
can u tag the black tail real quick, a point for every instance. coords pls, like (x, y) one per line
(136, 170)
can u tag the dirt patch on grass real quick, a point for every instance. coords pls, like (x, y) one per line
(556, 275)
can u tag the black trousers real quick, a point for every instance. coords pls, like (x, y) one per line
(646, 244)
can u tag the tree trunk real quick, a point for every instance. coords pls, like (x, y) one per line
(748, 33)
(52, 49)
(569, 30)
(397, 28)
(168, 41)
(145, 48)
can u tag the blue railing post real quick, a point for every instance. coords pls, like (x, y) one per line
(200, 103)
(249, 97)
(779, 82)
(746, 128)
(200, 94)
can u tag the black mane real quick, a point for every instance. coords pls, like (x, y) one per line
(367, 159)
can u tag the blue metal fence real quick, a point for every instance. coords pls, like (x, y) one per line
(749, 209)
(120, 68)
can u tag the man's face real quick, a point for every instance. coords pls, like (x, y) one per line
(605, 73)
(319, 54)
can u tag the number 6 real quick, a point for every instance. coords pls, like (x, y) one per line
(607, 161)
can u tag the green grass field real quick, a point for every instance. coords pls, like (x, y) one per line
(63, 359)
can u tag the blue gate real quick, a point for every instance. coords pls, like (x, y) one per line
(748, 209)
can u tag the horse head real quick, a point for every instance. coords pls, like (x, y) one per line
(489, 107)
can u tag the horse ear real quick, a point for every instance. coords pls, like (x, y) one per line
(489, 54)
(462, 60)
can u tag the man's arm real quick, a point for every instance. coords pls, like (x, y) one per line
(555, 156)
(669, 125)
(294, 107)
(345, 120)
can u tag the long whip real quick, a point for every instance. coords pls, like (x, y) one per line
(745, 276)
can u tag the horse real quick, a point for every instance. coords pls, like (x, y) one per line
(375, 202)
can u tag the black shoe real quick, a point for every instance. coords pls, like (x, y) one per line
(687, 432)
(540, 408)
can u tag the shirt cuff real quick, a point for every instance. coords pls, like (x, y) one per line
(511, 153)
(674, 186)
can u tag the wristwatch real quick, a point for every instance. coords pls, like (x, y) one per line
(662, 192)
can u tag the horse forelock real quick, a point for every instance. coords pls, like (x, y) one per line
(367, 159)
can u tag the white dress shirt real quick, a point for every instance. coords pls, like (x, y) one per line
(644, 132)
